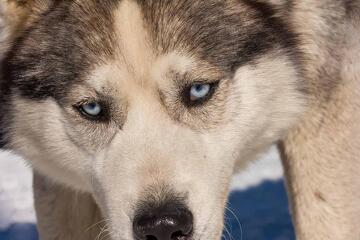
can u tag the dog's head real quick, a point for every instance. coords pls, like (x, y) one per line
(149, 105)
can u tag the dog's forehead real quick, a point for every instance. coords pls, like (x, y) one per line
(145, 52)
(220, 35)
(224, 33)
(74, 37)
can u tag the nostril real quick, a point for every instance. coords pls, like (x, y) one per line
(179, 235)
(151, 238)
(175, 236)
(172, 223)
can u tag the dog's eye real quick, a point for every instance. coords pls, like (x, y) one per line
(199, 91)
(93, 109)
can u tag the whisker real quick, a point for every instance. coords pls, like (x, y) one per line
(237, 220)
(103, 229)
(108, 233)
(95, 224)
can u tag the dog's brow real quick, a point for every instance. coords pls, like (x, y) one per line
(225, 34)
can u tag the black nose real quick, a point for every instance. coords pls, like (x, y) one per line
(166, 223)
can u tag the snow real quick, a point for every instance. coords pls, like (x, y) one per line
(16, 201)
(268, 168)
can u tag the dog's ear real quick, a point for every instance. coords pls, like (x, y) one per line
(16, 14)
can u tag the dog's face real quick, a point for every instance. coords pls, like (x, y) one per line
(150, 105)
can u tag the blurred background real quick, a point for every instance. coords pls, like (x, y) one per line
(257, 207)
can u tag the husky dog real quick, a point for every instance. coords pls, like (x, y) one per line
(134, 114)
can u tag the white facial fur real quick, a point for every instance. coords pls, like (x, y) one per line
(152, 149)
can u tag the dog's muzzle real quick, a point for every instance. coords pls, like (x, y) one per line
(171, 221)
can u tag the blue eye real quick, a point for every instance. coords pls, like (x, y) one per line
(92, 109)
(199, 91)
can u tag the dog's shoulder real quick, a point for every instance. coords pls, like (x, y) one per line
(324, 28)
